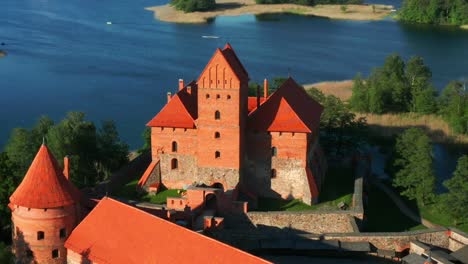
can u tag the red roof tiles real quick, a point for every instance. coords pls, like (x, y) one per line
(44, 185)
(147, 173)
(179, 112)
(234, 61)
(289, 109)
(119, 233)
(252, 103)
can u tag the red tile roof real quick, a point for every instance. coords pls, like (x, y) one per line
(234, 61)
(289, 109)
(179, 112)
(44, 185)
(119, 233)
(147, 173)
(252, 103)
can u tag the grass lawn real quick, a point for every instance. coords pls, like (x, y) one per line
(338, 187)
(384, 216)
(129, 191)
(438, 216)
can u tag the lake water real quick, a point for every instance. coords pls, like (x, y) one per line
(62, 56)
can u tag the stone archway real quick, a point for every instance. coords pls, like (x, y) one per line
(217, 185)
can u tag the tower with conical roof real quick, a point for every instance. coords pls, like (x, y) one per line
(45, 209)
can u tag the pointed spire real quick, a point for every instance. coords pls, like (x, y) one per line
(43, 140)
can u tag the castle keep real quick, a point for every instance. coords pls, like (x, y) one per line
(212, 134)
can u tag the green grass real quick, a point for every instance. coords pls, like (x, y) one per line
(129, 191)
(338, 187)
(384, 216)
(438, 216)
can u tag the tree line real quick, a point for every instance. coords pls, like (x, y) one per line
(94, 153)
(310, 2)
(413, 171)
(452, 12)
(398, 87)
(193, 5)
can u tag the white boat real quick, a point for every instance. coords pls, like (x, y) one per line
(210, 37)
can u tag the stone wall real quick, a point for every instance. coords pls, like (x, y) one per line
(457, 239)
(300, 222)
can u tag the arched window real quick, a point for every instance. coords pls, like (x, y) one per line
(217, 154)
(174, 164)
(228, 97)
(273, 173)
(218, 96)
(40, 235)
(207, 96)
(63, 233)
(217, 115)
(217, 135)
(274, 152)
(174, 146)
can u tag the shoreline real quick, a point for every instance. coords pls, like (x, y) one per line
(391, 124)
(168, 13)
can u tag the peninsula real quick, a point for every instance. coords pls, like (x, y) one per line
(168, 13)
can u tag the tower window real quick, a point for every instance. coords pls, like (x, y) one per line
(63, 233)
(40, 235)
(207, 96)
(217, 135)
(218, 96)
(217, 115)
(174, 146)
(217, 154)
(273, 173)
(274, 152)
(55, 253)
(228, 97)
(174, 164)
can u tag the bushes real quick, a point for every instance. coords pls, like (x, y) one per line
(194, 5)
(453, 12)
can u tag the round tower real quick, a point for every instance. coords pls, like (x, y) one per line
(45, 209)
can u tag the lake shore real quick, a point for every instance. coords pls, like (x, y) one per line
(168, 13)
(464, 27)
(393, 124)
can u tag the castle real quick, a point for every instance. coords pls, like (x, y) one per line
(212, 134)
(211, 139)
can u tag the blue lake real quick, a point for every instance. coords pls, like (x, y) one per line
(62, 56)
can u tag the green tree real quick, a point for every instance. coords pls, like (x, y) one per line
(453, 104)
(146, 136)
(6, 256)
(112, 152)
(193, 5)
(452, 12)
(456, 200)
(359, 100)
(341, 133)
(7, 186)
(413, 164)
(423, 95)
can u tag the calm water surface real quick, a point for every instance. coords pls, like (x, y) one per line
(63, 56)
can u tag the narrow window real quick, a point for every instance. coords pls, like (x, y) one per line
(217, 115)
(174, 164)
(217, 135)
(218, 96)
(40, 235)
(63, 233)
(273, 173)
(174, 146)
(55, 253)
(274, 151)
(207, 96)
(217, 154)
(228, 97)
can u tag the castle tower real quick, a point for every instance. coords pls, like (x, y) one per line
(45, 210)
(222, 118)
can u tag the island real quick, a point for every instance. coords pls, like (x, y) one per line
(169, 13)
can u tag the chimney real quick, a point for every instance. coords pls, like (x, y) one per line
(258, 95)
(181, 84)
(189, 89)
(66, 167)
(265, 88)
(169, 96)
